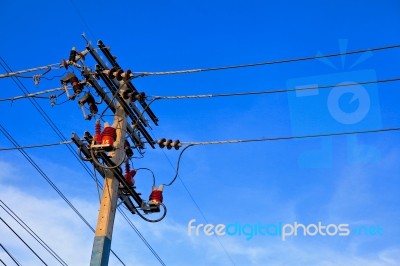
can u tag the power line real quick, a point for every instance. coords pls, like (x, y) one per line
(53, 126)
(200, 96)
(2, 262)
(191, 144)
(40, 171)
(36, 146)
(50, 122)
(31, 232)
(129, 222)
(197, 205)
(12, 74)
(142, 74)
(31, 95)
(291, 137)
(15, 233)
(10, 255)
(141, 237)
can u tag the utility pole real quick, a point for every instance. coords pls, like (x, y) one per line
(108, 204)
(129, 107)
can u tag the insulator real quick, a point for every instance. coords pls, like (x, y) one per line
(129, 174)
(176, 144)
(128, 150)
(127, 167)
(156, 196)
(118, 74)
(108, 136)
(76, 85)
(97, 129)
(72, 55)
(168, 144)
(111, 73)
(133, 96)
(141, 97)
(93, 108)
(129, 177)
(161, 143)
(125, 94)
(127, 74)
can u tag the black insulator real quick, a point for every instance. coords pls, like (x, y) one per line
(134, 96)
(141, 96)
(128, 74)
(72, 55)
(168, 144)
(161, 142)
(177, 144)
(125, 94)
(129, 152)
(118, 74)
(93, 108)
(111, 73)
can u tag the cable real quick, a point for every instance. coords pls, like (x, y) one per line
(195, 203)
(94, 159)
(36, 146)
(21, 150)
(12, 74)
(2, 262)
(142, 74)
(40, 171)
(30, 95)
(15, 233)
(191, 144)
(199, 96)
(10, 255)
(31, 232)
(144, 168)
(141, 237)
(48, 120)
(292, 137)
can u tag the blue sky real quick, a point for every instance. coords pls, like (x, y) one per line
(335, 180)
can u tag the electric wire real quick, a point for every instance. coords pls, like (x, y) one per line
(196, 204)
(40, 171)
(16, 73)
(10, 255)
(36, 146)
(152, 173)
(191, 144)
(16, 218)
(2, 262)
(141, 237)
(143, 74)
(199, 96)
(50, 122)
(30, 95)
(144, 240)
(23, 241)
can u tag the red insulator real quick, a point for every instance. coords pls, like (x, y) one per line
(97, 135)
(156, 196)
(109, 135)
(129, 177)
